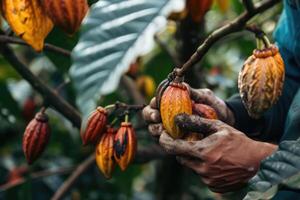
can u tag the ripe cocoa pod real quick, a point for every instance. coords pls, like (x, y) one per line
(198, 8)
(146, 85)
(105, 153)
(125, 145)
(36, 137)
(66, 14)
(95, 126)
(204, 111)
(261, 80)
(175, 100)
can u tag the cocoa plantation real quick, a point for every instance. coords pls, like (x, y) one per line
(161, 99)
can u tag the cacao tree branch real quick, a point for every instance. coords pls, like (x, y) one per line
(236, 25)
(49, 47)
(49, 95)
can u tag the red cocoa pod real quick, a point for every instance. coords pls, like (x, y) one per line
(96, 123)
(261, 80)
(105, 153)
(204, 111)
(175, 100)
(66, 14)
(36, 137)
(125, 145)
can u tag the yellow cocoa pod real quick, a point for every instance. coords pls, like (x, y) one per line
(146, 85)
(105, 153)
(175, 100)
(261, 80)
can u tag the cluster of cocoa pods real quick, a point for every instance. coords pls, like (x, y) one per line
(174, 99)
(66, 14)
(112, 146)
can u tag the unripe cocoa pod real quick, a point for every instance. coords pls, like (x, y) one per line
(125, 145)
(36, 137)
(175, 100)
(95, 126)
(198, 8)
(204, 111)
(146, 85)
(105, 153)
(66, 14)
(261, 80)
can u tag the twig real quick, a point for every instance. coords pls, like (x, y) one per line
(143, 155)
(38, 175)
(73, 178)
(236, 25)
(171, 54)
(48, 94)
(48, 47)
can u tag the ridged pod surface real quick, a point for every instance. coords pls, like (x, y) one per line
(198, 8)
(66, 14)
(125, 145)
(36, 137)
(204, 111)
(175, 100)
(95, 126)
(261, 80)
(105, 153)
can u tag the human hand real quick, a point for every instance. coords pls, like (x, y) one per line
(225, 160)
(205, 96)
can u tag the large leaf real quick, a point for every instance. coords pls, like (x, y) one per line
(113, 34)
(282, 169)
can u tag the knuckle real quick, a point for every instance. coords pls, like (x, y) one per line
(207, 91)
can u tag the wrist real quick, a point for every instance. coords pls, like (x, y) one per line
(264, 150)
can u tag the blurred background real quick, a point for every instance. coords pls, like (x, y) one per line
(159, 177)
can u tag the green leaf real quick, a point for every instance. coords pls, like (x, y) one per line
(281, 169)
(114, 33)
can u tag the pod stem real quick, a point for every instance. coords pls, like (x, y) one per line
(114, 122)
(266, 41)
(127, 118)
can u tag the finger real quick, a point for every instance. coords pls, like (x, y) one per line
(153, 103)
(151, 115)
(155, 129)
(205, 96)
(194, 123)
(178, 146)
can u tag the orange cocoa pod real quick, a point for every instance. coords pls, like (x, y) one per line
(125, 145)
(66, 14)
(146, 85)
(96, 123)
(105, 153)
(36, 137)
(261, 80)
(198, 8)
(204, 111)
(175, 100)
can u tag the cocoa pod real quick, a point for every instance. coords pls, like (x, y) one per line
(95, 126)
(105, 153)
(125, 145)
(204, 111)
(36, 137)
(146, 85)
(198, 8)
(66, 14)
(175, 100)
(261, 80)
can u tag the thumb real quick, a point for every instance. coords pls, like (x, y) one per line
(194, 123)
